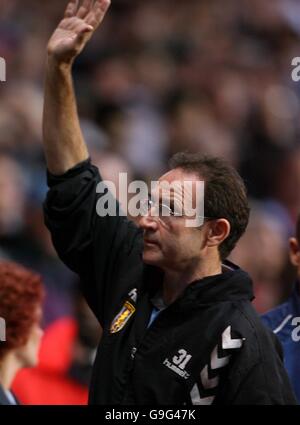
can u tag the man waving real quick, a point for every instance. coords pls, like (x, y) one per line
(178, 325)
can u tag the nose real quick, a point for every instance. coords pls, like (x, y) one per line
(148, 223)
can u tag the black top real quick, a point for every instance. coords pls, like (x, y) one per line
(208, 347)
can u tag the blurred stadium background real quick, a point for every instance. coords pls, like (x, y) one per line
(160, 76)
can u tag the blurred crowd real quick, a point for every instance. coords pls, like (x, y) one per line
(158, 77)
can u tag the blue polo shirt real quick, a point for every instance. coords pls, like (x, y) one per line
(284, 321)
(158, 306)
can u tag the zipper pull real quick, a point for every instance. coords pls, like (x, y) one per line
(133, 352)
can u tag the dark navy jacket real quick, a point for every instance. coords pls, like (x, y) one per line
(284, 321)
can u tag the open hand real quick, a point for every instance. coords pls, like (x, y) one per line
(77, 27)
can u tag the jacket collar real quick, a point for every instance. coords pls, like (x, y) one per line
(233, 284)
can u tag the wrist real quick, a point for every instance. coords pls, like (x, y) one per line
(57, 65)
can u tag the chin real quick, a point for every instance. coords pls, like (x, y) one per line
(31, 357)
(151, 258)
(35, 361)
(32, 361)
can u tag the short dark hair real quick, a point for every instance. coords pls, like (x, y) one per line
(225, 193)
(298, 229)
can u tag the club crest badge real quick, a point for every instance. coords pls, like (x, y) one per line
(122, 317)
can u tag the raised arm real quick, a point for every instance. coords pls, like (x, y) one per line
(63, 141)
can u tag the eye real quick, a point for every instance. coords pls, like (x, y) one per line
(165, 211)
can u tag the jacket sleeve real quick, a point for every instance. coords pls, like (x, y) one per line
(263, 381)
(97, 248)
(256, 390)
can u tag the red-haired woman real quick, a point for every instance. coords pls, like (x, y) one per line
(21, 295)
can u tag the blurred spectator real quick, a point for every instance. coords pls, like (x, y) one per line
(21, 296)
(13, 197)
(262, 252)
(284, 320)
(67, 354)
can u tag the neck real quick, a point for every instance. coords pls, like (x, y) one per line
(175, 281)
(9, 366)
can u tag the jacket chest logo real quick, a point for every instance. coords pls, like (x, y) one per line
(122, 317)
(179, 363)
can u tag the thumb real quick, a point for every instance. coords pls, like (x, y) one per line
(87, 28)
(84, 32)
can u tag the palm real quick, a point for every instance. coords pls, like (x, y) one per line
(64, 41)
(76, 28)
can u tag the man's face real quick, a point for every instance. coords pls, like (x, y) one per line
(168, 242)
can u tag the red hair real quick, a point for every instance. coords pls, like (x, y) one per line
(21, 293)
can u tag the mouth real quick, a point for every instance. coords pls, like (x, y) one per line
(150, 243)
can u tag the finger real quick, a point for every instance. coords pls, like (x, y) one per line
(71, 8)
(103, 4)
(84, 33)
(83, 28)
(85, 8)
(75, 23)
(96, 15)
(80, 30)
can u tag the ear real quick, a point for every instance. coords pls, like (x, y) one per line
(218, 231)
(294, 252)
